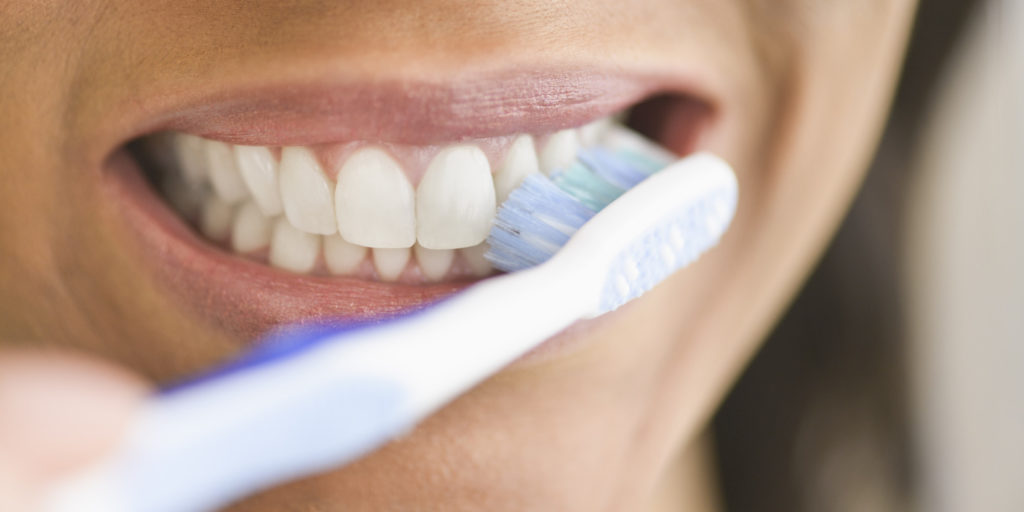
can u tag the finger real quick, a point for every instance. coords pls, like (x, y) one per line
(60, 412)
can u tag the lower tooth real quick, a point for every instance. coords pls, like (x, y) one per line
(474, 257)
(390, 262)
(434, 264)
(220, 163)
(251, 229)
(342, 257)
(292, 249)
(215, 217)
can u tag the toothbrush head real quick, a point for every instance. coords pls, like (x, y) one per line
(641, 219)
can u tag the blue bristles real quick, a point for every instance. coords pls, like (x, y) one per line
(540, 216)
(612, 168)
(534, 222)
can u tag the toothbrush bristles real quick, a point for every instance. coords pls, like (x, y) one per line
(540, 216)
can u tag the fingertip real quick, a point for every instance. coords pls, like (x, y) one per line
(59, 412)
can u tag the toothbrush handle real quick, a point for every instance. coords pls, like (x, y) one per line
(321, 403)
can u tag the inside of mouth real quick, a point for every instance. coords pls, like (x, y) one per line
(380, 211)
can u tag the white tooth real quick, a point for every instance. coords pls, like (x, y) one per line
(390, 262)
(220, 162)
(474, 257)
(251, 229)
(191, 156)
(455, 200)
(520, 161)
(215, 217)
(375, 202)
(306, 192)
(592, 132)
(341, 256)
(559, 151)
(292, 249)
(258, 168)
(434, 264)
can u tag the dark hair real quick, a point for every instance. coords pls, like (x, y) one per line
(818, 420)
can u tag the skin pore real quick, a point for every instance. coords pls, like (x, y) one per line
(800, 87)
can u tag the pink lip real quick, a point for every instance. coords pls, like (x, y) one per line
(245, 298)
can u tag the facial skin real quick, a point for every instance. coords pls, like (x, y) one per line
(591, 421)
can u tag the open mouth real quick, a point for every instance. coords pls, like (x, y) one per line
(284, 232)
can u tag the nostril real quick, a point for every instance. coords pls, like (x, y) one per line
(672, 120)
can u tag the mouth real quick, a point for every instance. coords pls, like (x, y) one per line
(354, 202)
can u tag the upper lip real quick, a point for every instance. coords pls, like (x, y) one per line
(404, 111)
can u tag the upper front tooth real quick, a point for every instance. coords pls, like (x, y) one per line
(305, 192)
(259, 171)
(455, 201)
(559, 151)
(375, 202)
(520, 161)
(220, 163)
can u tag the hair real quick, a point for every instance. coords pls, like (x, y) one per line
(819, 419)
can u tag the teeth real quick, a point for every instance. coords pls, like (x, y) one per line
(455, 200)
(305, 192)
(220, 162)
(520, 161)
(375, 202)
(591, 134)
(474, 257)
(434, 264)
(215, 217)
(191, 155)
(292, 249)
(559, 151)
(259, 172)
(342, 257)
(390, 262)
(246, 197)
(251, 229)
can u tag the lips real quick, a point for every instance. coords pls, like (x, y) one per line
(245, 296)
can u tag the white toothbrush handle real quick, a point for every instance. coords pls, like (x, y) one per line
(323, 404)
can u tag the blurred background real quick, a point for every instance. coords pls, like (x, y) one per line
(894, 382)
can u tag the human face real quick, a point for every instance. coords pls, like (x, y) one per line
(791, 92)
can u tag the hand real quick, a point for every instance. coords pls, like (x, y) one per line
(58, 414)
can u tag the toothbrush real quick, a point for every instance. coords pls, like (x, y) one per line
(312, 399)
